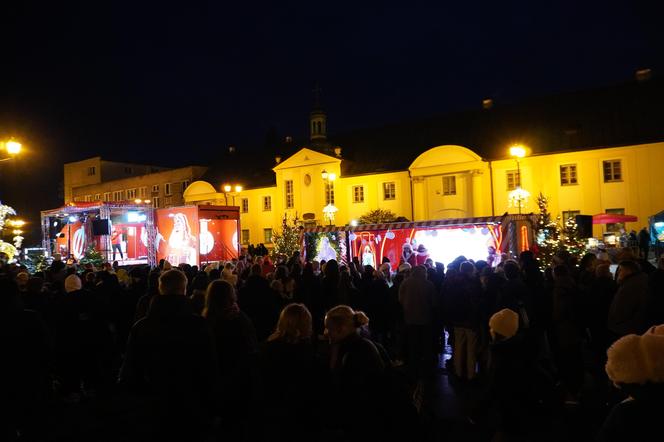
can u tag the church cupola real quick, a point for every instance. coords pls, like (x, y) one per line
(318, 119)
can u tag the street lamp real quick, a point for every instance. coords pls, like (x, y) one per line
(227, 190)
(329, 210)
(518, 197)
(13, 148)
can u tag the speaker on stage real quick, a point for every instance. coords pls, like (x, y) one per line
(584, 225)
(101, 227)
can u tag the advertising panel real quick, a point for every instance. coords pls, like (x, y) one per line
(177, 235)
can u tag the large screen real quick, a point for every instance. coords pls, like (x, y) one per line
(177, 235)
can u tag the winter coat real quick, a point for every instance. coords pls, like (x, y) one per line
(629, 310)
(416, 297)
(261, 304)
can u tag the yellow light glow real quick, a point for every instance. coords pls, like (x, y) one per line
(238, 188)
(13, 147)
(227, 188)
(17, 232)
(147, 201)
(138, 201)
(331, 176)
(518, 151)
(16, 222)
(324, 174)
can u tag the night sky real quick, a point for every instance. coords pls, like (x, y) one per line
(169, 83)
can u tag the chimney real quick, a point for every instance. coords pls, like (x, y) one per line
(337, 151)
(487, 103)
(643, 74)
(277, 159)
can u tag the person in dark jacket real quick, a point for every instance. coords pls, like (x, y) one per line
(260, 303)
(644, 242)
(656, 283)
(635, 368)
(235, 344)
(24, 373)
(290, 376)
(356, 367)
(629, 310)
(170, 363)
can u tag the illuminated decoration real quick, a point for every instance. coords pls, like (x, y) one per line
(518, 198)
(287, 240)
(5, 247)
(517, 151)
(353, 222)
(136, 217)
(571, 241)
(524, 238)
(329, 212)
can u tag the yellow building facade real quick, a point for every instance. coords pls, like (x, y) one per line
(450, 181)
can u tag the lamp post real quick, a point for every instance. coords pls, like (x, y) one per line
(518, 196)
(329, 210)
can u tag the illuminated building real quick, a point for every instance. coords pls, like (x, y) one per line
(589, 152)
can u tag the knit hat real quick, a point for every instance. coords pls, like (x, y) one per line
(405, 267)
(504, 323)
(73, 283)
(635, 359)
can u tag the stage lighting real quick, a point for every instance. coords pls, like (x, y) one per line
(55, 224)
(72, 219)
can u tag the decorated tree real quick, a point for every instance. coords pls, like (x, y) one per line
(571, 241)
(547, 233)
(5, 247)
(288, 240)
(92, 256)
(378, 216)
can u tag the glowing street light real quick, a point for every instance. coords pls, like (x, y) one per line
(12, 147)
(518, 197)
(227, 188)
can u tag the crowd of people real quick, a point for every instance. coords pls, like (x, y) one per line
(256, 349)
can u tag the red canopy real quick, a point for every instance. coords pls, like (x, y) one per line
(610, 218)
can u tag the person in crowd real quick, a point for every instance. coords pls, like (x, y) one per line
(152, 290)
(636, 367)
(356, 367)
(644, 243)
(567, 333)
(197, 296)
(629, 309)
(283, 284)
(260, 303)
(462, 302)
(170, 363)
(291, 378)
(24, 377)
(656, 283)
(235, 344)
(507, 391)
(416, 296)
(600, 296)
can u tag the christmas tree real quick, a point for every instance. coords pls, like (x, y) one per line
(547, 233)
(5, 247)
(92, 256)
(288, 240)
(571, 240)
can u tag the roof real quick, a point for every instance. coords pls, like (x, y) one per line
(618, 115)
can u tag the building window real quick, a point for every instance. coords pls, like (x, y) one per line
(107, 196)
(329, 192)
(267, 203)
(155, 188)
(568, 175)
(167, 189)
(168, 201)
(612, 171)
(288, 188)
(513, 179)
(185, 184)
(267, 236)
(358, 194)
(92, 171)
(156, 202)
(570, 214)
(245, 236)
(245, 205)
(615, 227)
(97, 196)
(128, 170)
(142, 192)
(449, 185)
(88, 198)
(118, 195)
(131, 194)
(389, 191)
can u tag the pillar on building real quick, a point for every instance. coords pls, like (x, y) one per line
(419, 202)
(477, 193)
